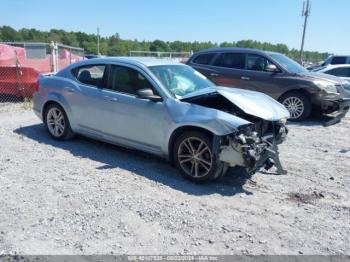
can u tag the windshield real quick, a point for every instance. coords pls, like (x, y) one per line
(288, 64)
(180, 80)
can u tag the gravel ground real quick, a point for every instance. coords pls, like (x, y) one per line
(86, 197)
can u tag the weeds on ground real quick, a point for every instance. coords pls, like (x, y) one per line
(27, 104)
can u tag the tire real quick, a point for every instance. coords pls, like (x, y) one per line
(57, 123)
(199, 168)
(298, 105)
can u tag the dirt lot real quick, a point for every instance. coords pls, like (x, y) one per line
(87, 197)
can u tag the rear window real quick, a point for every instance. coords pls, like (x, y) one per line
(90, 75)
(339, 60)
(204, 59)
(231, 60)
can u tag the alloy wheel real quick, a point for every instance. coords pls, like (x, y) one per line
(295, 106)
(195, 157)
(55, 122)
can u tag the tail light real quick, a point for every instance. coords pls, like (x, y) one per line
(36, 86)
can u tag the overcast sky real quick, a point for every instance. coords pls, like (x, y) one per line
(275, 21)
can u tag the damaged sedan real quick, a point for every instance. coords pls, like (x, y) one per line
(167, 109)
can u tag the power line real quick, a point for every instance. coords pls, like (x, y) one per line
(98, 41)
(306, 13)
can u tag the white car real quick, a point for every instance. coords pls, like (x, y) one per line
(342, 71)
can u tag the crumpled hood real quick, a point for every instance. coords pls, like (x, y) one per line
(255, 103)
(251, 102)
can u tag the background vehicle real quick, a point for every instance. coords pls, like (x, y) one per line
(342, 71)
(276, 75)
(331, 60)
(167, 109)
(336, 60)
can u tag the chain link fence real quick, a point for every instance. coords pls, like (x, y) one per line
(22, 63)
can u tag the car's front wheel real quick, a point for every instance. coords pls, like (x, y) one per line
(57, 122)
(298, 105)
(194, 157)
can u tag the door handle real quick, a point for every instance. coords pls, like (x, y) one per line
(245, 78)
(112, 99)
(69, 89)
(214, 74)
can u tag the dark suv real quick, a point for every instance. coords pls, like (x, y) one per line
(276, 75)
(336, 60)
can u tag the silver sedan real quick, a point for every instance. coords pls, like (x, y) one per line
(167, 109)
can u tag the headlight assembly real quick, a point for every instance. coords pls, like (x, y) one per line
(326, 86)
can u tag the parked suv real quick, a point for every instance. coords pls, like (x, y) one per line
(336, 60)
(276, 75)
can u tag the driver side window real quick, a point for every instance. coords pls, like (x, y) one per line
(257, 63)
(127, 80)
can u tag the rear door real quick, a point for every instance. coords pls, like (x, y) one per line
(230, 69)
(202, 64)
(87, 100)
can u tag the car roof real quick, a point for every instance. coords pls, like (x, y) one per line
(141, 62)
(236, 49)
(138, 61)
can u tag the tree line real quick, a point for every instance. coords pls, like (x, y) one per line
(116, 46)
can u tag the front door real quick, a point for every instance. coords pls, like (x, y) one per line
(126, 118)
(255, 76)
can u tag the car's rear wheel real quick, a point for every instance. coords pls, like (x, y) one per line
(298, 105)
(194, 157)
(57, 122)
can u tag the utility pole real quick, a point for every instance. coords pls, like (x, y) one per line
(98, 41)
(306, 13)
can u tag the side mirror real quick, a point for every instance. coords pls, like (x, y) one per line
(147, 93)
(271, 68)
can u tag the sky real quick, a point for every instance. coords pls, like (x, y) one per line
(275, 21)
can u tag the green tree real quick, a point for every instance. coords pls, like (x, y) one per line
(10, 34)
(159, 46)
(116, 46)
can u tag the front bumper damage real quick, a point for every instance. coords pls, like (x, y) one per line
(252, 152)
(339, 108)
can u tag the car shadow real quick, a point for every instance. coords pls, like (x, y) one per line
(142, 164)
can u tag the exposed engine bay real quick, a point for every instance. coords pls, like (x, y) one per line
(252, 146)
